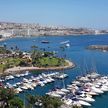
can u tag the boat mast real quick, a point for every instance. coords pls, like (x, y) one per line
(86, 67)
(94, 69)
(24, 99)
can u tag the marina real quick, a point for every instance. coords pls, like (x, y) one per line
(81, 92)
(26, 81)
(77, 52)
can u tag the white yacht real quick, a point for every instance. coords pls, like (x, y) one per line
(67, 45)
(18, 90)
(53, 94)
(86, 98)
(67, 101)
(97, 90)
(84, 103)
(9, 77)
(65, 90)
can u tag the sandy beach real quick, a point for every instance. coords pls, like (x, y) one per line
(20, 69)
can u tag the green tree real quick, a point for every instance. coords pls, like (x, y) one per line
(31, 101)
(5, 96)
(15, 102)
(50, 102)
(34, 47)
(43, 102)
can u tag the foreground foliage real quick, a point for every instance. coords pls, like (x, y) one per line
(43, 102)
(8, 99)
(3, 50)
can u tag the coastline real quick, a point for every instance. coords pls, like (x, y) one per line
(73, 35)
(25, 36)
(21, 69)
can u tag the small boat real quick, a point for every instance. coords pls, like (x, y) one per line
(9, 85)
(18, 90)
(41, 83)
(18, 83)
(97, 90)
(67, 101)
(84, 103)
(27, 73)
(45, 81)
(22, 75)
(49, 79)
(45, 41)
(104, 50)
(9, 77)
(14, 85)
(17, 75)
(67, 45)
(90, 92)
(53, 94)
(29, 86)
(81, 102)
(52, 80)
(33, 84)
(24, 87)
(61, 76)
(44, 75)
(103, 87)
(58, 91)
(65, 90)
(1, 80)
(86, 98)
(93, 75)
(76, 82)
(25, 80)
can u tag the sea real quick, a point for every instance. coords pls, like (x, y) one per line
(85, 60)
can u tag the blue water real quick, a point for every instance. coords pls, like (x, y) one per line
(77, 53)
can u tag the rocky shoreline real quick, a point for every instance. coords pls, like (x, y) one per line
(103, 48)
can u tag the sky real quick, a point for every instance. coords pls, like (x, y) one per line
(74, 13)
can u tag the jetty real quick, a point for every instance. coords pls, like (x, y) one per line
(103, 48)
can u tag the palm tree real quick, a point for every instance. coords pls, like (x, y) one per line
(34, 47)
(31, 101)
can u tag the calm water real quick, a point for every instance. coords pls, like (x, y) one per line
(78, 53)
